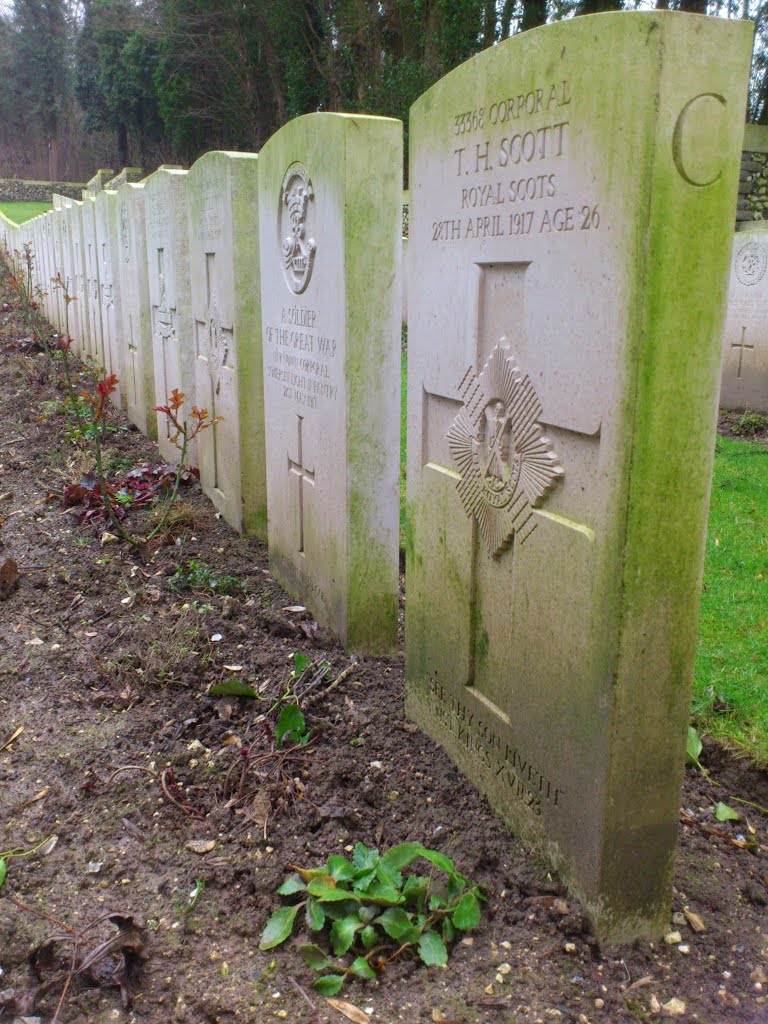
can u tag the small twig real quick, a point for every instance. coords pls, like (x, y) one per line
(38, 913)
(129, 768)
(303, 993)
(68, 982)
(340, 678)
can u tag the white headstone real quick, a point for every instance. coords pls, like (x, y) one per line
(129, 257)
(170, 300)
(106, 240)
(330, 191)
(92, 294)
(572, 198)
(745, 348)
(222, 217)
(78, 310)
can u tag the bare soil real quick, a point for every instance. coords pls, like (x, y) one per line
(103, 666)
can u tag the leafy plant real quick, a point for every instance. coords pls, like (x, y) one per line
(725, 813)
(373, 913)
(197, 576)
(752, 423)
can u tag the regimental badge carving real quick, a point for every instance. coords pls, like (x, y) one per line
(751, 263)
(505, 463)
(125, 234)
(296, 248)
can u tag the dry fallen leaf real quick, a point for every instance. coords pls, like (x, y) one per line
(34, 642)
(9, 578)
(348, 1010)
(693, 919)
(201, 846)
(49, 846)
(38, 796)
(15, 736)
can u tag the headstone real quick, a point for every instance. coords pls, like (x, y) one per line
(58, 277)
(173, 342)
(129, 257)
(49, 301)
(106, 241)
(78, 310)
(330, 193)
(745, 347)
(92, 295)
(572, 193)
(222, 218)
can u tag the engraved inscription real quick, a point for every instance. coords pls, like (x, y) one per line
(125, 233)
(507, 763)
(681, 140)
(516, 166)
(751, 263)
(301, 357)
(505, 464)
(296, 248)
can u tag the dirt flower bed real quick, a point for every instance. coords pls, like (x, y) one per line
(152, 821)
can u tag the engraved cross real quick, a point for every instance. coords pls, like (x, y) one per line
(741, 344)
(213, 344)
(303, 475)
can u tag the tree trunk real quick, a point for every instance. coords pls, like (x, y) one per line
(53, 159)
(122, 145)
(534, 14)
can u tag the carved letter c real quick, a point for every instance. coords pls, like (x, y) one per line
(677, 138)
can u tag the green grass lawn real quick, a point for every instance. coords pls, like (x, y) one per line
(19, 212)
(730, 700)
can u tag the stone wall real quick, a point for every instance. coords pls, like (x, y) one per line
(128, 174)
(17, 190)
(753, 182)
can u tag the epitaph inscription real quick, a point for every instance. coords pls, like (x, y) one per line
(125, 233)
(302, 358)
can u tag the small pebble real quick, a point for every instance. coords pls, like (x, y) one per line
(505, 968)
(570, 947)
(672, 938)
(599, 1004)
(674, 1008)
(684, 949)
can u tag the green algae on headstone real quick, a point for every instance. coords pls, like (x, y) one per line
(572, 195)
(330, 198)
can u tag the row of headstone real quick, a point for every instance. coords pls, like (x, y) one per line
(565, 315)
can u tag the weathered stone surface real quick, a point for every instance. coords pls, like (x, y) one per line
(564, 346)
(330, 199)
(173, 342)
(745, 339)
(92, 295)
(137, 374)
(222, 218)
(106, 239)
